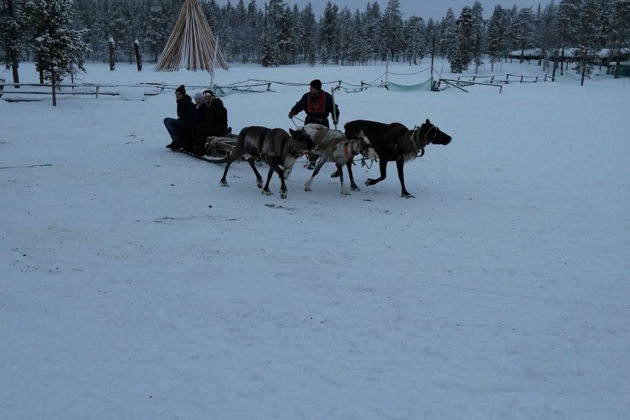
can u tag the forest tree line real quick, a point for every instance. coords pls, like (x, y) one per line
(277, 34)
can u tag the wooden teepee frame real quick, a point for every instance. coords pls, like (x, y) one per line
(191, 44)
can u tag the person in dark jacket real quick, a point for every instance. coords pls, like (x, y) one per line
(317, 104)
(178, 128)
(210, 121)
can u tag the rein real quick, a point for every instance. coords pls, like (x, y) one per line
(296, 126)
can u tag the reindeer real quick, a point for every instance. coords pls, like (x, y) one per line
(275, 146)
(395, 142)
(333, 146)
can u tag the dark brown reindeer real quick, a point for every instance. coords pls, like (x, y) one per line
(275, 146)
(395, 142)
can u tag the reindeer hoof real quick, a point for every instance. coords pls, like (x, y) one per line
(223, 183)
(407, 195)
(266, 192)
(345, 193)
(307, 189)
(259, 184)
(334, 174)
(283, 195)
(370, 181)
(354, 188)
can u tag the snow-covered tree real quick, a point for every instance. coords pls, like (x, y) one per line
(619, 36)
(414, 39)
(461, 53)
(270, 54)
(448, 34)
(372, 29)
(58, 47)
(477, 35)
(308, 35)
(522, 26)
(496, 45)
(566, 32)
(392, 30)
(544, 36)
(328, 32)
(10, 29)
(589, 35)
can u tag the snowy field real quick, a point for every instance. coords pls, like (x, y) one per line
(134, 287)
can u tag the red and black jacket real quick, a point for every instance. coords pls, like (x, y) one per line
(316, 108)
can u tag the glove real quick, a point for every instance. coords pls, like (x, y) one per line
(291, 114)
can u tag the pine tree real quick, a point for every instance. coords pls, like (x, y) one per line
(361, 52)
(10, 28)
(496, 35)
(57, 46)
(372, 25)
(448, 34)
(392, 30)
(545, 34)
(308, 35)
(522, 29)
(620, 29)
(478, 34)
(414, 39)
(271, 54)
(568, 15)
(155, 35)
(328, 34)
(462, 52)
(589, 35)
(346, 36)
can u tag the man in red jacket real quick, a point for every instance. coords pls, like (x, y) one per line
(317, 104)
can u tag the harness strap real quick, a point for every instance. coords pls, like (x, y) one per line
(346, 150)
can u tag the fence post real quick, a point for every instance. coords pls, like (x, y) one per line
(521, 79)
(507, 77)
(96, 91)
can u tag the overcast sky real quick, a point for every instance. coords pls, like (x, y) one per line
(426, 9)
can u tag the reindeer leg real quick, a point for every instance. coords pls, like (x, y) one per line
(344, 191)
(353, 186)
(231, 159)
(401, 176)
(283, 186)
(318, 166)
(383, 165)
(259, 180)
(266, 190)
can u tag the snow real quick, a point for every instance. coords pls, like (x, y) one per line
(134, 286)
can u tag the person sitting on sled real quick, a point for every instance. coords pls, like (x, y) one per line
(178, 128)
(210, 120)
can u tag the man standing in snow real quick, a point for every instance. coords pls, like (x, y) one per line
(317, 104)
(178, 128)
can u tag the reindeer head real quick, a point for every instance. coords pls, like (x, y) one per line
(430, 133)
(300, 142)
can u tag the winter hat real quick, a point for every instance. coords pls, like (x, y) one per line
(317, 84)
(209, 92)
(198, 96)
(181, 89)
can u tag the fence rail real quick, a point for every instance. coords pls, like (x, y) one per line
(249, 86)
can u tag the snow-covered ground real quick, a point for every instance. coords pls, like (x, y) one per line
(132, 286)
